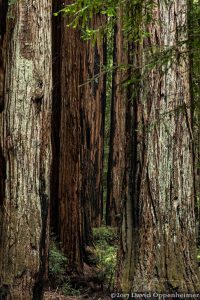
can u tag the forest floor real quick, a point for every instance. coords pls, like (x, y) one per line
(96, 281)
(57, 296)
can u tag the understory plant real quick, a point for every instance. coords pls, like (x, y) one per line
(57, 275)
(105, 241)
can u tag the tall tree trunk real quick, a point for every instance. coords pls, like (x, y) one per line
(160, 254)
(194, 40)
(70, 209)
(56, 117)
(26, 149)
(3, 15)
(117, 133)
(81, 143)
(92, 124)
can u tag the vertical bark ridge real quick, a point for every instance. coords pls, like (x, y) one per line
(93, 118)
(26, 147)
(3, 15)
(70, 208)
(164, 258)
(117, 133)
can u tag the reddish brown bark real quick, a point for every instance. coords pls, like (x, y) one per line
(80, 135)
(92, 125)
(158, 245)
(119, 102)
(81, 143)
(69, 197)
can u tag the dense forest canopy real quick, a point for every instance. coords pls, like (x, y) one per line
(99, 149)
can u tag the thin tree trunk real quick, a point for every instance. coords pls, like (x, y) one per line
(117, 133)
(161, 254)
(70, 211)
(3, 15)
(93, 95)
(56, 117)
(26, 149)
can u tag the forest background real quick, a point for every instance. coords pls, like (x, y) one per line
(99, 148)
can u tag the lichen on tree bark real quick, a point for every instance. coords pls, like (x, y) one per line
(27, 149)
(162, 254)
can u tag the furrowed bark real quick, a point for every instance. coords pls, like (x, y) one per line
(93, 94)
(3, 15)
(119, 101)
(162, 256)
(26, 148)
(81, 143)
(70, 210)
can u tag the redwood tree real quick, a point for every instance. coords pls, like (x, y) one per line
(26, 150)
(92, 95)
(116, 160)
(70, 208)
(158, 238)
(80, 149)
(56, 114)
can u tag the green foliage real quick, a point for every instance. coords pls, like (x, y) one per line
(106, 252)
(104, 258)
(68, 290)
(11, 2)
(57, 263)
(104, 235)
(57, 275)
(81, 13)
(85, 9)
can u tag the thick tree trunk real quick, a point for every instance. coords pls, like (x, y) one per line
(159, 243)
(117, 133)
(81, 143)
(26, 150)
